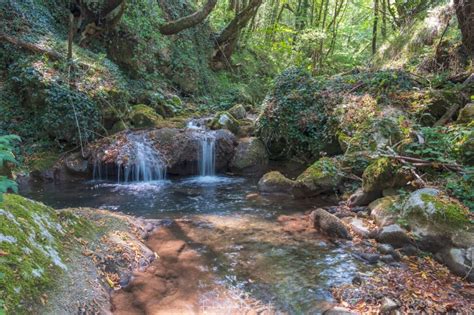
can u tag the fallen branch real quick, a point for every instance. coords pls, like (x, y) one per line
(30, 47)
(424, 163)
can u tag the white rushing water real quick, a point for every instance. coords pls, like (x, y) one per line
(139, 161)
(207, 148)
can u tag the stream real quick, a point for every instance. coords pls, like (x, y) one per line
(241, 239)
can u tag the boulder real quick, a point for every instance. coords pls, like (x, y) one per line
(224, 120)
(143, 116)
(383, 173)
(321, 177)
(362, 198)
(238, 111)
(393, 235)
(466, 115)
(436, 220)
(385, 249)
(358, 226)
(329, 224)
(382, 211)
(275, 182)
(76, 164)
(251, 157)
(459, 261)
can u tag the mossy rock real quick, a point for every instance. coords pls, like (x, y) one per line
(32, 246)
(466, 115)
(42, 161)
(224, 120)
(384, 173)
(238, 111)
(323, 176)
(143, 116)
(275, 182)
(435, 103)
(119, 126)
(436, 207)
(384, 210)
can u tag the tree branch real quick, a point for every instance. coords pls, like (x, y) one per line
(186, 22)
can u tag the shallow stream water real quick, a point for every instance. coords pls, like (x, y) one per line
(241, 238)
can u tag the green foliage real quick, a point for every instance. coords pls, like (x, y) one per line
(462, 186)
(294, 120)
(7, 156)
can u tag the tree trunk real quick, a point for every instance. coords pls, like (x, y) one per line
(374, 31)
(465, 14)
(189, 21)
(227, 39)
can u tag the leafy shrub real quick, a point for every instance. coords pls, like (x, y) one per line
(7, 156)
(294, 120)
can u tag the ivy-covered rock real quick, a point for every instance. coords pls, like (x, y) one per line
(275, 182)
(143, 116)
(294, 119)
(384, 173)
(224, 120)
(238, 111)
(250, 158)
(321, 177)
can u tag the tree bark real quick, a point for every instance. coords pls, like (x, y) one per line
(227, 39)
(189, 21)
(465, 14)
(374, 31)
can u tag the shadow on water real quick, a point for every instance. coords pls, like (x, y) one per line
(240, 238)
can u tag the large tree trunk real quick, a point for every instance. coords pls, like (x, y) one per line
(191, 20)
(227, 39)
(465, 14)
(374, 30)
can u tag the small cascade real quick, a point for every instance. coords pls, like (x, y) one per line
(207, 158)
(138, 161)
(207, 145)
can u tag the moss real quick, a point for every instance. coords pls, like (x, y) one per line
(32, 247)
(447, 211)
(383, 173)
(238, 111)
(224, 120)
(323, 173)
(143, 116)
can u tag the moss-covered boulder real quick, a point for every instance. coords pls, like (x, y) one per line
(143, 116)
(225, 120)
(436, 220)
(238, 111)
(321, 177)
(466, 115)
(251, 157)
(384, 173)
(32, 249)
(275, 182)
(119, 126)
(465, 147)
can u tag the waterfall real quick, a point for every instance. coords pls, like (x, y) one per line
(207, 158)
(207, 145)
(137, 161)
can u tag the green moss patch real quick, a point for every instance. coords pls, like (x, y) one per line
(446, 210)
(32, 249)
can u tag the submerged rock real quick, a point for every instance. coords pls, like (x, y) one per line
(329, 224)
(275, 182)
(251, 157)
(321, 177)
